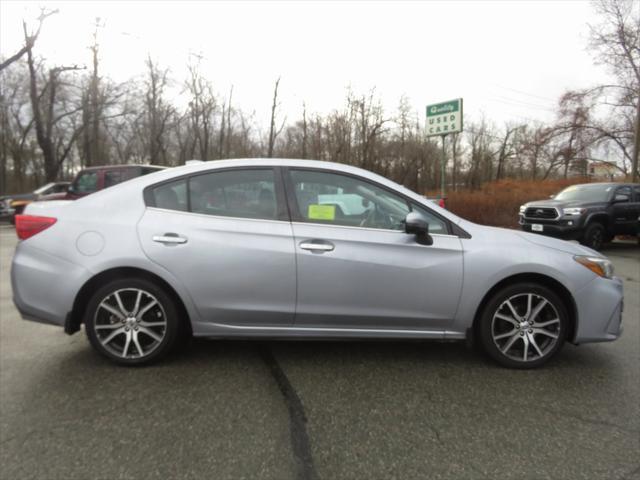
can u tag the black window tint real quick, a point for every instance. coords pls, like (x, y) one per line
(624, 191)
(112, 177)
(87, 182)
(336, 199)
(171, 196)
(436, 225)
(636, 191)
(235, 193)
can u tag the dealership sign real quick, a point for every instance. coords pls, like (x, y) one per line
(444, 118)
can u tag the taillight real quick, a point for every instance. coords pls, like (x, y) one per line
(28, 225)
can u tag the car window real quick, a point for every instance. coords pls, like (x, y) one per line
(113, 177)
(624, 191)
(60, 188)
(636, 192)
(337, 199)
(235, 193)
(436, 225)
(171, 196)
(587, 193)
(87, 182)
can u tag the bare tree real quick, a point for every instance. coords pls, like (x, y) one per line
(274, 131)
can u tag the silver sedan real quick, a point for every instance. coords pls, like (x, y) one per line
(300, 249)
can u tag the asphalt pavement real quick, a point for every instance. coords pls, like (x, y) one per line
(317, 410)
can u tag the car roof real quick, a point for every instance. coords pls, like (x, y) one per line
(126, 165)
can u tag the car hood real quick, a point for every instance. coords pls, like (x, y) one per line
(499, 235)
(550, 202)
(19, 196)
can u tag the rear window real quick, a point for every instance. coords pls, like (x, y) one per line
(86, 182)
(171, 196)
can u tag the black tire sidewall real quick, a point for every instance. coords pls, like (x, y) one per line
(588, 235)
(484, 327)
(172, 319)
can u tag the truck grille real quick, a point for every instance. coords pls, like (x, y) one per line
(544, 213)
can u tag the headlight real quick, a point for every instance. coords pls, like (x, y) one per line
(522, 208)
(573, 211)
(598, 265)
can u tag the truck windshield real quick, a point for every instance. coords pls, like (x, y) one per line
(587, 193)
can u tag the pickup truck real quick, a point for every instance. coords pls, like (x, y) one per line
(592, 213)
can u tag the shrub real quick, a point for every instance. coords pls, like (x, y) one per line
(497, 203)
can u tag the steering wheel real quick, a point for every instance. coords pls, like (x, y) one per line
(376, 219)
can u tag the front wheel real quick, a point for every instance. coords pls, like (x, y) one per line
(523, 326)
(132, 321)
(594, 236)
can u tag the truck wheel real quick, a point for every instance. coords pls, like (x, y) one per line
(594, 236)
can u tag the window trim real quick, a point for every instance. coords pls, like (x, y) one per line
(296, 216)
(281, 207)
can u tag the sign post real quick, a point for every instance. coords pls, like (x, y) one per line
(442, 119)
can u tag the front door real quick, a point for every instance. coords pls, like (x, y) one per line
(356, 266)
(225, 236)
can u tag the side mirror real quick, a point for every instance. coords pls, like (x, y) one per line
(620, 197)
(416, 224)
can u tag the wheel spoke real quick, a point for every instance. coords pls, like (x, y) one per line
(137, 344)
(505, 335)
(109, 326)
(507, 319)
(546, 324)
(529, 301)
(145, 309)
(526, 348)
(112, 335)
(126, 344)
(150, 333)
(538, 308)
(510, 343)
(513, 310)
(137, 305)
(120, 304)
(542, 331)
(533, 342)
(151, 324)
(112, 310)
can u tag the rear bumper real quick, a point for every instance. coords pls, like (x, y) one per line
(44, 286)
(600, 304)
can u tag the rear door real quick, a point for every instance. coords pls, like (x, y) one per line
(357, 268)
(226, 236)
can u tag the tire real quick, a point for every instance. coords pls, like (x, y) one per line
(594, 236)
(129, 331)
(531, 339)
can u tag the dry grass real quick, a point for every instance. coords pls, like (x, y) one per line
(497, 203)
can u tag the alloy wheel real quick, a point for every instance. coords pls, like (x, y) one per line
(130, 323)
(526, 327)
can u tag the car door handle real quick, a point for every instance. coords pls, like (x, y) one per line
(169, 239)
(317, 246)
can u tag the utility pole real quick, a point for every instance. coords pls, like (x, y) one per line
(443, 172)
(636, 145)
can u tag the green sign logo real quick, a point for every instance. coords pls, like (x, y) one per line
(441, 108)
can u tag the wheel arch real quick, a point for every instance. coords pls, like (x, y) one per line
(74, 318)
(545, 280)
(601, 218)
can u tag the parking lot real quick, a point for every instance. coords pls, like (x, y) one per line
(327, 410)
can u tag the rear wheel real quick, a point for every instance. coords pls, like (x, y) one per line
(132, 321)
(523, 326)
(594, 236)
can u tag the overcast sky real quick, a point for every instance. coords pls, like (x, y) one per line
(510, 60)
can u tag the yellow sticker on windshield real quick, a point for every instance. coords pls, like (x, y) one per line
(322, 212)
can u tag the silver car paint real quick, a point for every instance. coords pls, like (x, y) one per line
(397, 290)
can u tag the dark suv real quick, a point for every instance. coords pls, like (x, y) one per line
(592, 213)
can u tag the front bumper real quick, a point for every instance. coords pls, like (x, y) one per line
(564, 228)
(600, 305)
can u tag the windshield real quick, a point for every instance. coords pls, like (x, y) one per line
(587, 193)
